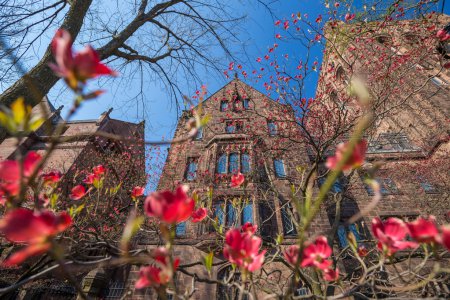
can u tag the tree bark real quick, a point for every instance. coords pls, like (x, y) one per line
(34, 85)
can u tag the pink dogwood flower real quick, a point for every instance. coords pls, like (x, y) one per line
(78, 192)
(249, 227)
(445, 239)
(75, 67)
(391, 234)
(137, 192)
(330, 274)
(33, 228)
(241, 249)
(160, 273)
(443, 35)
(356, 159)
(199, 215)
(10, 173)
(237, 180)
(99, 170)
(170, 207)
(349, 17)
(291, 254)
(317, 254)
(51, 177)
(424, 231)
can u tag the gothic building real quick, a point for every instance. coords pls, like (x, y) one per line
(250, 133)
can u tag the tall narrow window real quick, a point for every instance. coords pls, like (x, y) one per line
(245, 163)
(344, 230)
(231, 214)
(387, 187)
(233, 166)
(279, 168)
(427, 186)
(247, 213)
(286, 218)
(223, 105)
(219, 213)
(199, 134)
(191, 170)
(272, 128)
(222, 164)
(246, 103)
(180, 229)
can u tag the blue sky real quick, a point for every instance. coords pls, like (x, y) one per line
(159, 112)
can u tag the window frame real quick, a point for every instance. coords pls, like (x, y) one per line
(191, 160)
(199, 135)
(224, 105)
(274, 130)
(384, 188)
(277, 175)
(246, 104)
(228, 210)
(238, 126)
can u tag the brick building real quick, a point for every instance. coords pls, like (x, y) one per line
(82, 148)
(258, 136)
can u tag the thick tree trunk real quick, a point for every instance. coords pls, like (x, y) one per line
(37, 83)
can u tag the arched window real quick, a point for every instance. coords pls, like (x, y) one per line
(233, 166)
(231, 214)
(223, 105)
(246, 103)
(273, 130)
(245, 163)
(222, 164)
(286, 218)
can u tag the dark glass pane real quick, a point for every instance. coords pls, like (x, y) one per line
(180, 230)
(218, 213)
(191, 171)
(247, 214)
(279, 168)
(246, 103)
(233, 166)
(245, 163)
(272, 128)
(223, 105)
(230, 127)
(199, 135)
(222, 164)
(288, 225)
(342, 236)
(231, 214)
(353, 228)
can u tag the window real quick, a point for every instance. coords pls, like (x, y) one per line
(246, 103)
(231, 214)
(391, 142)
(245, 163)
(234, 126)
(279, 168)
(338, 186)
(438, 81)
(226, 213)
(115, 290)
(387, 185)
(247, 213)
(191, 170)
(180, 229)
(233, 163)
(286, 218)
(344, 229)
(223, 105)
(272, 128)
(427, 187)
(219, 213)
(222, 164)
(199, 134)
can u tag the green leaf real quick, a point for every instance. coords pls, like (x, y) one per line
(53, 200)
(131, 228)
(208, 261)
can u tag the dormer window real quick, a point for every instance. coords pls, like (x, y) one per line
(223, 105)
(246, 103)
(272, 127)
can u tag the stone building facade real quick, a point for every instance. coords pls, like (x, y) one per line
(249, 132)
